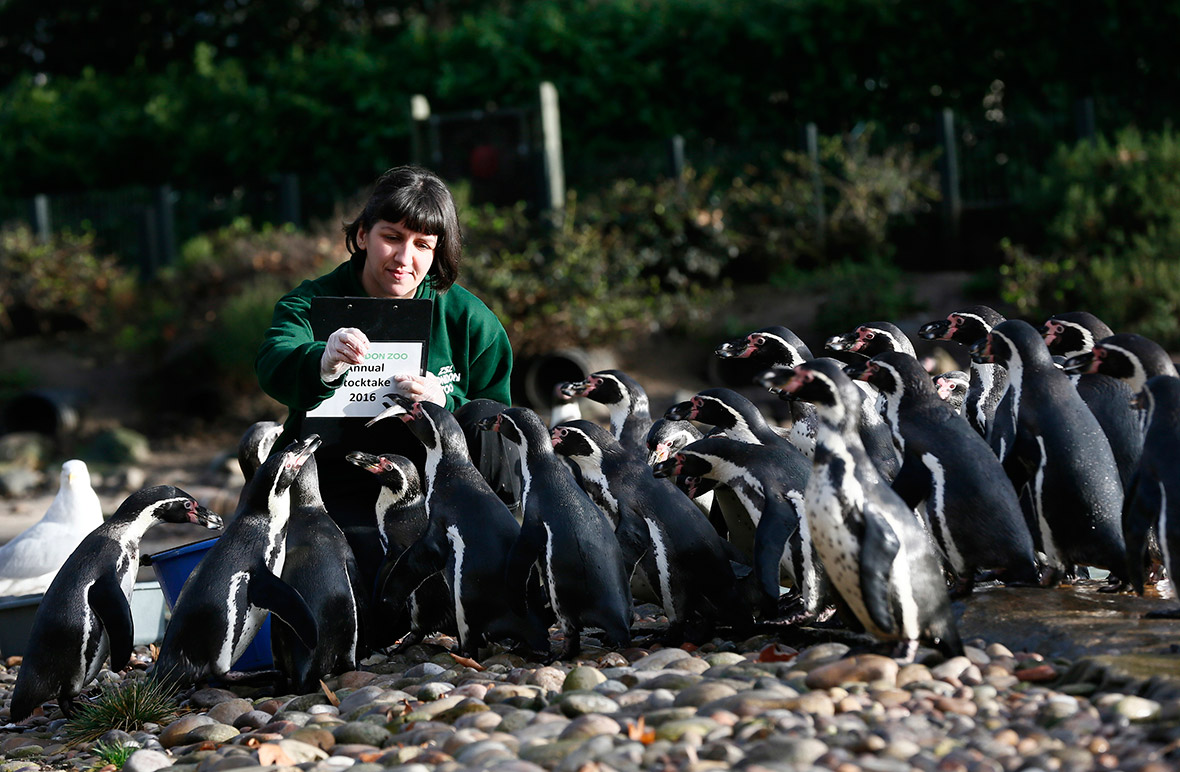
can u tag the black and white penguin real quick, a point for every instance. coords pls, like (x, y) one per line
(568, 537)
(469, 537)
(494, 457)
(1048, 439)
(873, 549)
(226, 597)
(971, 509)
(952, 388)
(254, 447)
(1073, 334)
(1153, 498)
(870, 339)
(988, 381)
(778, 346)
(401, 521)
(320, 566)
(625, 398)
(661, 532)
(86, 611)
(781, 544)
(1129, 357)
(665, 438)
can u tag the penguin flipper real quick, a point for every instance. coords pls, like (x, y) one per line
(770, 540)
(1140, 513)
(912, 482)
(525, 551)
(880, 546)
(268, 591)
(110, 605)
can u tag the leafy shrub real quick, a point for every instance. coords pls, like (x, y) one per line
(1112, 242)
(854, 292)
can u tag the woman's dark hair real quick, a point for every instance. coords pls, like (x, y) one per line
(420, 199)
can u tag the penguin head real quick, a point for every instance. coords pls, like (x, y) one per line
(305, 491)
(971, 323)
(256, 444)
(823, 383)
(1129, 357)
(520, 426)
(893, 373)
(167, 504)
(952, 386)
(396, 473)
(290, 462)
(717, 407)
(608, 387)
(936, 330)
(667, 435)
(776, 345)
(581, 440)
(434, 426)
(994, 348)
(1073, 333)
(846, 342)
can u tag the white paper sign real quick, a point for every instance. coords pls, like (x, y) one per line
(367, 385)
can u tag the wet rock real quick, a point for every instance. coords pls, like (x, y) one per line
(175, 733)
(144, 760)
(658, 660)
(1137, 708)
(579, 703)
(589, 725)
(228, 711)
(212, 732)
(362, 733)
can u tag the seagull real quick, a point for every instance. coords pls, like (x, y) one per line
(29, 562)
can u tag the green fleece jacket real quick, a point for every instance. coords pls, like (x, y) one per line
(468, 348)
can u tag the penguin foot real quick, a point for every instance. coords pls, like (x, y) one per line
(1115, 584)
(249, 676)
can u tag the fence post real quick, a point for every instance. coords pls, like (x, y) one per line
(1084, 123)
(289, 198)
(952, 202)
(165, 225)
(39, 214)
(811, 132)
(419, 115)
(551, 143)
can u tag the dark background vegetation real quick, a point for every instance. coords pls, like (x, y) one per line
(218, 100)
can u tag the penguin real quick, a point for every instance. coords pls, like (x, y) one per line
(564, 532)
(662, 533)
(666, 437)
(493, 457)
(971, 509)
(1073, 334)
(320, 567)
(778, 346)
(225, 599)
(773, 501)
(30, 561)
(988, 381)
(401, 521)
(86, 611)
(1153, 499)
(254, 447)
(870, 339)
(874, 551)
(952, 388)
(469, 537)
(1047, 438)
(1129, 357)
(630, 410)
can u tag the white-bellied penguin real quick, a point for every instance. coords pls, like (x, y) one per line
(625, 398)
(1127, 356)
(227, 596)
(566, 533)
(666, 437)
(988, 380)
(1153, 499)
(1073, 334)
(86, 611)
(319, 566)
(401, 521)
(874, 550)
(470, 534)
(1049, 440)
(663, 533)
(254, 447)
(773, 501)
(971, 509)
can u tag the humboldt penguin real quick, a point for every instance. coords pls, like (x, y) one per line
(952, 388)
(870, 339)
(469, 537)
(665, 438)
(225, 599)
(662, 533)
(567, 535)
(988, 381)
(1048, 439)
(625, 398)
(874, 550)
(1129, 357)
(971, 509)
(1073, 334)
(86, 611)
(254, 446)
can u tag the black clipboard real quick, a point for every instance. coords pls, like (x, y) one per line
(380, 319)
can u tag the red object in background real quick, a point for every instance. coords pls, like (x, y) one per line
(484, 162)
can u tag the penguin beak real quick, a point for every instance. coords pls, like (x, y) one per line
(939, 330)
(395, 405)
(366, 461)
(681, 411)
(847, 342)
(576, 388)
(666, 468)
(489, 424)
(773, 380)
(1082, 363)
(859, 371)
(735, 349)
(660, 453)
(199, 515)
(981, 351)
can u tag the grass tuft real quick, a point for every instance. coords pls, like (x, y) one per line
(112, 754)
(127, 706)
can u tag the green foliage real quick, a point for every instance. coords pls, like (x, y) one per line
(113, 754)
(59, 284)
(126, 706)
(1112, 214)
(856, 290)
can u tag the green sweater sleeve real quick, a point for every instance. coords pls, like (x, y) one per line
(288, 361)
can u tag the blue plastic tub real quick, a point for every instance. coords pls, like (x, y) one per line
(173, 567)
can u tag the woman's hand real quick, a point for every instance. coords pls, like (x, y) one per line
(346, 347)
(421, 388)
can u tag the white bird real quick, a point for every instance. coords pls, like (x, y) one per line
(29, 562)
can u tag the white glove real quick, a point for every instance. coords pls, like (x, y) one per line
(421, 388)
(346, 347)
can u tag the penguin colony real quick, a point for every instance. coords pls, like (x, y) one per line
(892, 491)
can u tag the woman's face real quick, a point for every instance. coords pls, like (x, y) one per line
(397, 259)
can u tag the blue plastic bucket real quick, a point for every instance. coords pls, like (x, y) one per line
(173, 567)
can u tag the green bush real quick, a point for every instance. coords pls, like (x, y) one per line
(1112, 246)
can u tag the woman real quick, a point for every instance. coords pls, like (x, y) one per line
(405, 243)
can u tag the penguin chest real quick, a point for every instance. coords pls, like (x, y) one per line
(551, 575)
(455, 574)
(242, 618)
